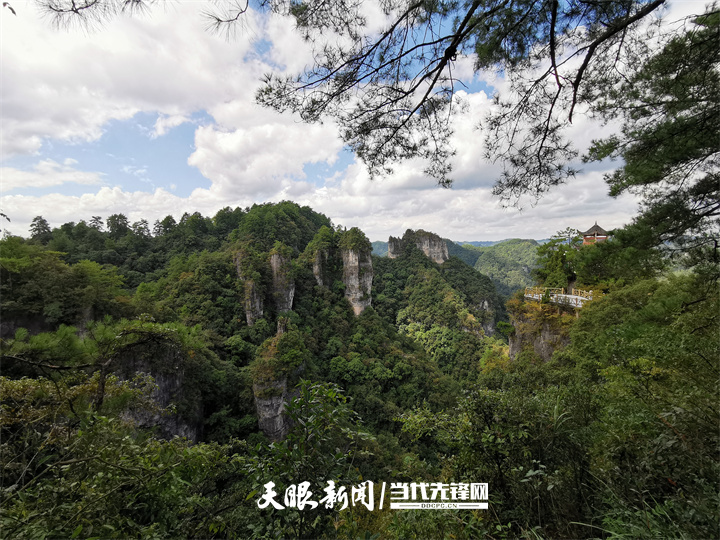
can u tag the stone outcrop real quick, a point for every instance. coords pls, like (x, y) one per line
(270, 399)
(544, 335)
(166, 368)
(283, 283)
(321, 252)
(320, 267)
(357, 277)
(253, 298)
(488, 324)
(253, 301)
(431, 245)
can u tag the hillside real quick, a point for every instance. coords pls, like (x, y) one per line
(508, 263)
(173, 375)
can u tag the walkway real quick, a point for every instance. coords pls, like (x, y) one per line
(576, 298)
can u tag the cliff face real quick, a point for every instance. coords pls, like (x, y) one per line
(543, 342)
(320, 265)
(270, 399)
(246, 264)
(253, 302)
(357, 277)
(541, 328)
(431, 245)
(283, 283)
(489, 324)
(166, 368)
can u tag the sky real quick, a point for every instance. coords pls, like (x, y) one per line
(152, 115)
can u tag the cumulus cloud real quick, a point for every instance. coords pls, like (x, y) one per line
(254, 161)
(165, 123)
(46, 173)
(69, 86)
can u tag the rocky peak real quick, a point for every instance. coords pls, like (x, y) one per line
(431, 245)
(245, 262)
(320, 251)
(320, 264)
(356, 252)
(283, 282)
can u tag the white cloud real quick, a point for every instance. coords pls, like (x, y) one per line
(254, 161)
(165, 123)
(46, 173)
(68, 86)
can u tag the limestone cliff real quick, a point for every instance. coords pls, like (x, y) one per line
(279, 364)
(283, 282)
(540, 329)
(167, 368)
(357, 277)
(431, 245)
(543, 342)
(356, 253)
(320, 253)
(253, 301)
(249, 264)
(320, 267)
(270, 399)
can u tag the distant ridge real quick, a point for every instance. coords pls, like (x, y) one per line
(380, 248)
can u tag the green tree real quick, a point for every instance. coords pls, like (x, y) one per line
(325, 439)
(117, 225)
(40, 230)
(670, 113)
(390, 90)
(96, 223)
(556, 259)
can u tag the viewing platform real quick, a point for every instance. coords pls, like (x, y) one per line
(575, 298)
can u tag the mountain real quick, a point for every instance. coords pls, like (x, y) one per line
(508, 263)
(380, 248)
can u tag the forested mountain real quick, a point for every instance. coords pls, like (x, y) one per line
(509, 263)
(259, 374)
(283, 351)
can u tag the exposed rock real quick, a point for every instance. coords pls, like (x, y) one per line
(320, 251)
(283, 283)
(166, 368)
(270, 399)
(488, 325)
(357, 277)
(544, 340)
(320, 267)
(169, 387)
(253, 302)
(431, 245)
(395, 247)
(252, 294)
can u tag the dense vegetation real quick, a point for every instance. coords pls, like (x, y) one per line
(509, 263)
(103, 364)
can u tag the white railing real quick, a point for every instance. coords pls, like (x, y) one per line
(576, 298)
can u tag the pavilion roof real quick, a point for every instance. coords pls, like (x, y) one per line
(595, 230)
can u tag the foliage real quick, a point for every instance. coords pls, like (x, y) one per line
(654, 345)
(68, 472)
(38, 288)
(670, 111)
(355, 240)
(390, 91)
(615, 432)
(509, 264)
(556, 259)
(321, 447)
(287, 222)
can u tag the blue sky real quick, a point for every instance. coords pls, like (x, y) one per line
(153, 116)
